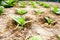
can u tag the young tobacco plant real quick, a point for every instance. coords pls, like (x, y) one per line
(46, 5)
(48, 20)
(19, 20)
(43, 4)
(40, 3)
(22, 4)
(38, 11)
(21, 11)
(56, 10)
(8, 3)
(33, 4)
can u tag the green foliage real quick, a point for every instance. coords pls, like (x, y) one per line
(46, 5)
(35, 38)
(19, 20)
(22, 4)
(21, 11)
(39, 11)
(40, 3)
(1, 9)
(33, 4)
(43, 4)
(56, 10)
(8, 3)
(48, 20)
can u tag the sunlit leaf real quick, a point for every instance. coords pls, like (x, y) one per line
(46, 5)
(21, 11)
(35, 38)
(8, 3)
(56, 10)
(22, 4)
(48, 20)
(33, 4)
(19, 20)
(1, 9)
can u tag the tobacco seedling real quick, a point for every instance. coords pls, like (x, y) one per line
(33, 4)
(8, 3)
(48, 20)
(56, 10)
(1, 9)
(19, 20)
(38, 11)
(22, 4)
(46, 5)
(40, 3)
(35, 38)
(21, 11)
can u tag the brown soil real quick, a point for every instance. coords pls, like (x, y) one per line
(38, 25)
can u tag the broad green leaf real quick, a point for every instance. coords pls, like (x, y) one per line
(38, 11)
(22, 4)
(19, 20)
(21, 11)
(10, 1)
(40, 3)
(1, 9)
(33, 4)
(46, 5)
(48, 20)
(56, 10)
(3, 3)
(35, 38)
